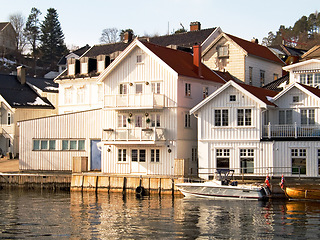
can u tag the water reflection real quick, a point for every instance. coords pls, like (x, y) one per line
(76, 215)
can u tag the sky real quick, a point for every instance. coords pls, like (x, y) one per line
(82, 21)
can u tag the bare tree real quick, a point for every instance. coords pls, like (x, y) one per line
(17, 21)
(110, 35)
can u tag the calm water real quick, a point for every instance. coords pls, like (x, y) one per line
(47, 215)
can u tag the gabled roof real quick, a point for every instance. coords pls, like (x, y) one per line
(178, 61)
(278, 84)
(256, 49)
(45, 85)
(312, 53)
(19, 95)
(261, 95)
(315, 91)
(3, 25)
(79, 52)
(299, 64)
(186, 40)
(182, 63)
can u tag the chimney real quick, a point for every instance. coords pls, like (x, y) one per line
(195, 26)
(21, 74)
(197, 59)
(254, 40)
(127, 36)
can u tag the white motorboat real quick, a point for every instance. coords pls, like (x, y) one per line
(223, 187)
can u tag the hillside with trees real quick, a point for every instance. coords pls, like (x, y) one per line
(304, 34)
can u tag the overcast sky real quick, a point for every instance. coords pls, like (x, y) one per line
(82, 21)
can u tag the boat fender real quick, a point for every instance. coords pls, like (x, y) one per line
(140, 191)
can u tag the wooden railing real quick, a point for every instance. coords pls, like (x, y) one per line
(151, 100)
(291, 131)
(134, 134)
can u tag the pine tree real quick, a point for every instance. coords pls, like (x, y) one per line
(32, 33)
(52, 40)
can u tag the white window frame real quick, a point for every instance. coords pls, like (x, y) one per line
(187, 90)
(68, 95)
(155, 155)
(156, 87)
(9, 118)
(123, 88)
(122, 120)
(247, 155)
(222, 153)
(80, 94)
(284, 117)
(298, 154)
(245, 118)
(139, 91)
(155, 119)
(223, 120)
(70, 145)
(262, 78)
(205, 92)
(187, 120)
(122, 155)
(308, 118)
(223, 51)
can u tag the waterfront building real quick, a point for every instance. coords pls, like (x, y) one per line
(22, 98)
(257, 131)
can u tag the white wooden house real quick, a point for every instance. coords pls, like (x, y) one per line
(148, 92)
(144, 126)
(247, 61)
(257, 131)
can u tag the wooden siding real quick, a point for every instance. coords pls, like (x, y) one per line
(81, 125)
(231, 132)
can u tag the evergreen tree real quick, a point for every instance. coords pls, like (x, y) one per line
(52, 40)
(32, 33)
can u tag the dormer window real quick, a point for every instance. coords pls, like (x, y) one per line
(223, 51)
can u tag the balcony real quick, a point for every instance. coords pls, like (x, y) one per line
(130, 101)
(134, 136)
(291, 131)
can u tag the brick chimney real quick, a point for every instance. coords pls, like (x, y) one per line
(127, 36)
(197, 59)
(255, 40)
(195, 26)
(21, 74)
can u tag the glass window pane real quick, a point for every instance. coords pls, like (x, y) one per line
(52, 145)
(134, 155)
(65, 144)
(36, 144)
(73, 144)
(142, 157)
(44, 144)
(81, 144)
(240, 117)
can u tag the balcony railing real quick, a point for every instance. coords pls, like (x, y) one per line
(134, 134)
(151, 100)
(291, 131)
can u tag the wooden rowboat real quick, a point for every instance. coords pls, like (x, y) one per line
(302, 193)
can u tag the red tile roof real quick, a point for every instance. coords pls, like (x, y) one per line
(260, 93)
(256, 49)
(182, 63)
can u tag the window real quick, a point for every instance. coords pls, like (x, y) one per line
(100, 92)
(187, 120)
(122, 155)
(73, 145)
(194, 154)
(187, 89)
(44, 144)
(138, 155)
(295, 99)
(307, 117)
(205, 92)
(275, 76)
(139, 59)
(9, 118)
(155, 155)
(139, 87)
(232, 98)
(123, 89)
(223, 158)
(221, 117)
(68, 95)
(138, 121)
(298, 158)
(285, 117)
(247, 160)
(122, 121)
(316, 79)
(36, 144)
(244, 117)
(303, 79)
(223, 51)
(250, 75)
(310, 79)
(80, 95)
(155, 120)
(156, 87)
(262, 78)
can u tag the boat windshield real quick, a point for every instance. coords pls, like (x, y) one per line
(224, 175)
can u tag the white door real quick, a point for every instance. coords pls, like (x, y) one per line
(139, 161)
